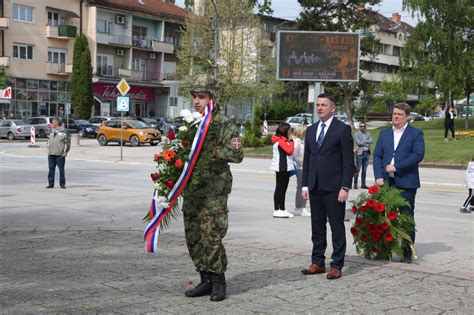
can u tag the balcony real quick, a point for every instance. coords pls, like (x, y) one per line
(124, 72)
(58, 68)
(164, 47)
(378, 76)
(146, 75)
(171, 76)
(4, 62)
(61, 31)
(141, 42)
(4, 23)
(114, 39)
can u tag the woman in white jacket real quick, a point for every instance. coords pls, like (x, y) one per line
(299, 134)
(469, 179)
(282, 164)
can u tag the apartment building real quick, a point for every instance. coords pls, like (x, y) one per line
(37, 48)
(392, 34)
(134, 39)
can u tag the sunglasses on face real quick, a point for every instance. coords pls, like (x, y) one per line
(362, 126)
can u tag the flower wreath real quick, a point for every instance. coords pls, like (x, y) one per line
(380, 228)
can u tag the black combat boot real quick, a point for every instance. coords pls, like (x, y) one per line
(203, 288)
(218, 287)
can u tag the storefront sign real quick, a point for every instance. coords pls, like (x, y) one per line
(108, 91)
(6, 93)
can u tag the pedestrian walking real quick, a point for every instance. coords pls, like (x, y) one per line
(282, 165)
(58, 146)
(328, 166)
(449, 123)
(397, 155)
(299, 134)
(205, 196)
(363, 139)
(468, 205)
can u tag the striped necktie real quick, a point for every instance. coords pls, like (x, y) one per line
(321, 134)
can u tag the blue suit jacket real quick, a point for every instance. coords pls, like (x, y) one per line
(330, 165)
(409, 153)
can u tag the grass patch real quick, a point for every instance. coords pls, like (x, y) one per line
(436, 150)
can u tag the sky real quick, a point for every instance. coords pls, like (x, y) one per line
(289, 9)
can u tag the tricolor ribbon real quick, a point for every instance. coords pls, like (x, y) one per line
(153, 228)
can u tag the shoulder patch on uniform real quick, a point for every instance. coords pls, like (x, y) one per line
(236, 143)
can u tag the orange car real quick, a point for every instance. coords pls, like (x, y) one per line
(134, 132)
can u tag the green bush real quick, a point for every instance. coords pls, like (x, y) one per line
(267, 140)
(281, 108)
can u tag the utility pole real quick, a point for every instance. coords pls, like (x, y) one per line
(215, 26)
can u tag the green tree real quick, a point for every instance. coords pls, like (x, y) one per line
(3, 78)
(390, 92)
(342, 16)
(441, 49)
(263, 7)
(245, 68)
(82, 95)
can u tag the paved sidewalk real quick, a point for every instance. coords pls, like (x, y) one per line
(85, 272)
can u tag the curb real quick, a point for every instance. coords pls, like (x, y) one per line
(422, 164)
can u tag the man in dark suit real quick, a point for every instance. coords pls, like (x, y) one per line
(397, 154)
(328, 166)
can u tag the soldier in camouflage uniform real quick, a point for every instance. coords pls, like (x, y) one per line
(205, 196)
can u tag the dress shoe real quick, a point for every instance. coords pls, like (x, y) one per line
(406, 260)
(49, 186)
(314, 269)
(334, 273)
(63, 187)
(364, 186)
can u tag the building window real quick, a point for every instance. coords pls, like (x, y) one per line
(22, 13)
(104, 26)
(105, 65)
(397, 51)
(54, 19)
(23, 51)
(57, 55)
(139, 34)
(138, 64)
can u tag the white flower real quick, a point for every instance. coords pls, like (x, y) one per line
(183, 128)
(161, 202)
(197, 116)
(185, 113)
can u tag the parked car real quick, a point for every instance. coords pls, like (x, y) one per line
(85, 128)
(295, 121)
(343, 118)
(42, 125)
(166, 124)
(13, 128)
(150, 121)
(308, 116)
(134, 132)
(97, 120)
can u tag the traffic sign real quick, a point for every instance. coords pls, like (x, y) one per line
(123, 87)
(6, 93)
(123, 103)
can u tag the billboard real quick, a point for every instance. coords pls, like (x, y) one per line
(318, 56)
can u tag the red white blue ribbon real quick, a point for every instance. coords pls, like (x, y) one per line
(153, 228)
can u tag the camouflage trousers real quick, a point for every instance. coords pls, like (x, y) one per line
(205, 225)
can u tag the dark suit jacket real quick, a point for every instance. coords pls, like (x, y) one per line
(409, 153)
(331, 165)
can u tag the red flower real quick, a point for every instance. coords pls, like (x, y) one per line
(359, 221)
(178, 164)
(171, 135)
(157, 157)
(388, 236)
(154, 176)
(363, 238)
(363, 208)
(168, 155)
(384, 226)
(375, 237)
(353, 231)
(371, 227)
(375, 250)
(185, 143)
(169, 183)
(380, 207)
(354, 209)
(380, 229)
(370, 203)
(392, 215)
(373, 189)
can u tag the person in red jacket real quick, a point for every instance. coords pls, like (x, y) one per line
(283, 166)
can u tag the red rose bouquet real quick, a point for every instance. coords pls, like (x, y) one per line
(170, 163)
(380, 228)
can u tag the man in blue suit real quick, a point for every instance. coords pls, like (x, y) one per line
(328, 166)
(398, 152)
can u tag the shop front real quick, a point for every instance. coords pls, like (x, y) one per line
(141, 100)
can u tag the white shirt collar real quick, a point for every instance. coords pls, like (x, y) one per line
(327, 123)
(400, 130)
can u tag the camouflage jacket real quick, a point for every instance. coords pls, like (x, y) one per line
(211, 175)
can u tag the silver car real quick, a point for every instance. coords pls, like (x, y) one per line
(13, 128)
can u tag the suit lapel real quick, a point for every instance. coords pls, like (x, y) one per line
(329, 132)
(312, 140)
(404, 136)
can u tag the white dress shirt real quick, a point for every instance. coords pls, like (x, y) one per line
(397, 135)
